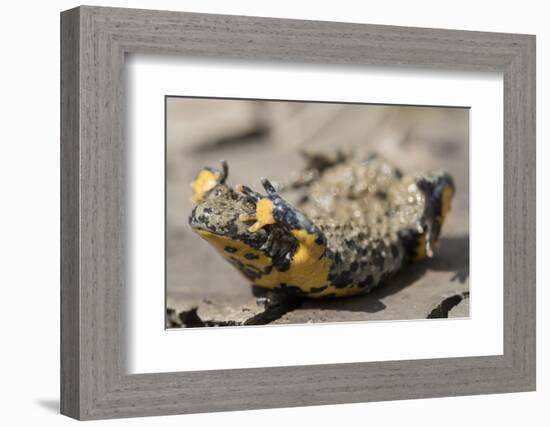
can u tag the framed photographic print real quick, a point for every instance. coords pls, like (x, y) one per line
(367, 212)
(263, 213)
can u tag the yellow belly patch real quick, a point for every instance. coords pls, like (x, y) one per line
(238, 249)
(308, 269)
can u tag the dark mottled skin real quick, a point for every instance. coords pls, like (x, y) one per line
(360, 218)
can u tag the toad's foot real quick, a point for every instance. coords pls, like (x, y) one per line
(207, 179)
(275, 299)
(438, 189)
(308, 255)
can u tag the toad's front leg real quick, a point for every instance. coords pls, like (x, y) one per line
(273, 209)
(308, 264)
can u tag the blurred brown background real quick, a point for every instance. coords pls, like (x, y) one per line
(263, 138)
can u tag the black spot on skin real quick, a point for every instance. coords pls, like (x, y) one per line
(251, 256)
(369, 280)
(381, 195)
(268, 269)
(237, 263)
(232, 229)
(282, 285)
(317, 290)
(230, 249)
(251, 273)
(281, 263)
(254, 268)
(342, 281)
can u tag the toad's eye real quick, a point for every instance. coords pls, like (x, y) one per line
(206, 180)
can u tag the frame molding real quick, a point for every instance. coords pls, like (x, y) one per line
(94, 41)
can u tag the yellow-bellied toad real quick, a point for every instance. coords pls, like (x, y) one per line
(358, 222)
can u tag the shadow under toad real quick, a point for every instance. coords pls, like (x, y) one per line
(453, 256)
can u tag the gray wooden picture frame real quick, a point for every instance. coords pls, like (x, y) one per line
(94, 41)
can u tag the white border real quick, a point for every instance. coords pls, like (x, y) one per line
(152, 349)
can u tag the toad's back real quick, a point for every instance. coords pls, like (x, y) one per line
(371, 215)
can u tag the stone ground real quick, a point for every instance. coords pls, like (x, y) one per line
(263, 139)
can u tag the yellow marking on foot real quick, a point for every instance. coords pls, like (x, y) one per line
(446, 199)
(421, 248)
(244, 217)
(422, 251)
(264, 214)
(206, 180)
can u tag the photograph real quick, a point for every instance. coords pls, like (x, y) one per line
(298, 212)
